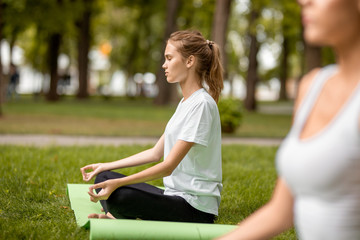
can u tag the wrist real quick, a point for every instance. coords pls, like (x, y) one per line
(104, 167)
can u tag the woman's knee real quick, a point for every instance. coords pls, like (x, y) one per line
(122, 202)
(106, 175)
(101, 177)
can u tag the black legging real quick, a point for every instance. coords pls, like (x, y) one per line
(147, 202)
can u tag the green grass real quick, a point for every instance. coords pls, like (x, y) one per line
(117, 117)
(34, 205)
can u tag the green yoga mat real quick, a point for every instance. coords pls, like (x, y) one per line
(80, 203)
(135, 229)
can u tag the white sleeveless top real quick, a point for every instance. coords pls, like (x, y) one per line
(323, 172)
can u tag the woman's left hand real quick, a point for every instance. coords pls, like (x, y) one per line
(107, 187)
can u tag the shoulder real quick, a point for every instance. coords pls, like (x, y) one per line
(304, 86)
(205, 100)
(203, 105)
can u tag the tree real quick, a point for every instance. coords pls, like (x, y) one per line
(134, 31)
(284, 68)
(1, 68)
(252, 75)
(290, 34)
(84, 36)
(53, 53)
(167, 92)
(219, 29)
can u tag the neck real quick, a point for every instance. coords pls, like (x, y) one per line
(189, 86)
(348, 60)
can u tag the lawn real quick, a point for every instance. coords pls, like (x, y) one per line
(34, 205)
(119, 117)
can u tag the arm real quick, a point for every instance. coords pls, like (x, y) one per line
(273, 218)
(151, 155)
(163, 169)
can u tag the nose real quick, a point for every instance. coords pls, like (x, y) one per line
(164, 65)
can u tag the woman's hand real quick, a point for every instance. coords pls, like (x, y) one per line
(95, 170)
(107, 187)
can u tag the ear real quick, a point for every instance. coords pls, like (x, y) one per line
(190, 61)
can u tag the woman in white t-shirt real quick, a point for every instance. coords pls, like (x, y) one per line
(190, 146)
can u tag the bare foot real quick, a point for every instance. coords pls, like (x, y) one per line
(102, 216)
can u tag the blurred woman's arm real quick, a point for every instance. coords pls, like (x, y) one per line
(270, 220)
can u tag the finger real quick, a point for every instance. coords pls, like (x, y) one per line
(83, 170)
(96, 197)
(91, 175)
(87, 177)
(93, 199)
(92, 194)
(96, 186)
(87, 167)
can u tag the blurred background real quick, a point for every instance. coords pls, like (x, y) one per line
(53, 49)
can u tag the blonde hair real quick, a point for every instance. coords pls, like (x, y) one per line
(207, 54)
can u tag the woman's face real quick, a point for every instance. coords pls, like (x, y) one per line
(330, 22)
(174, 65)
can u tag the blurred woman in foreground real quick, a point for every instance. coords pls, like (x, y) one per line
(318, 188)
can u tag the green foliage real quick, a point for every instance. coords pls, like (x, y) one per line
(277, 20)
(31, 22)
(34, 205)
(230, 114)
(134, 30)
(203, 18)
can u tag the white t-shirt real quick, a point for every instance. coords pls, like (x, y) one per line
(198, 177)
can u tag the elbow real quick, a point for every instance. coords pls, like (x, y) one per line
(168, 173)
(168, 170)
(156, 156)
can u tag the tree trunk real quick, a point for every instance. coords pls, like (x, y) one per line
(284, 69)
(11, 47)
(83, 51)
(252, 76)
(167, 92)
(1, 68)
(219, 29)
(53, 53)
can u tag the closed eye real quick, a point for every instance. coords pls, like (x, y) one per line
(168, 57)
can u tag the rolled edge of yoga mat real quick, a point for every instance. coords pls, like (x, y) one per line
(80, 203)
(142, 229)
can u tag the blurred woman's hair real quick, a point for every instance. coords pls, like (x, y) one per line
(207, 54)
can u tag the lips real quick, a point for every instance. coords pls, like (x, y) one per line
(305, 18)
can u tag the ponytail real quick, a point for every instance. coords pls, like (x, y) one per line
(214, 78)
(208, 66)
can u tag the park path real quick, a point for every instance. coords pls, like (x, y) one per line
(65, 140)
